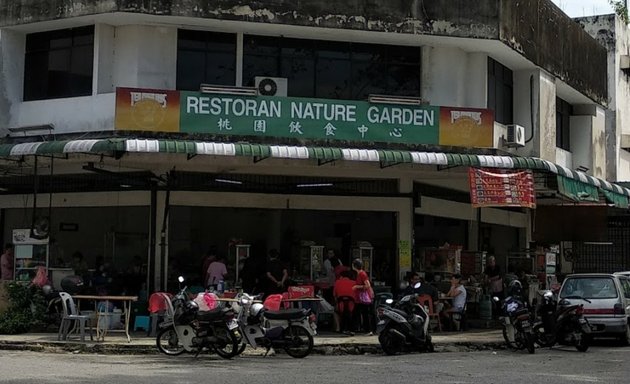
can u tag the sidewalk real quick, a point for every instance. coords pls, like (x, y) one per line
(327, 343)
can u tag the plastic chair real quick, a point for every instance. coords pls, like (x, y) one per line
(72, 317)
(427, 301)
(142, 322)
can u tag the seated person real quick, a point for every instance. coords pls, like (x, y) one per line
(458, 293)
(343, 288)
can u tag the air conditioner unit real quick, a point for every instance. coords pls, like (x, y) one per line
(515, 136)
(271, 86)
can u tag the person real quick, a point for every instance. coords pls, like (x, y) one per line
(458, 293)
(493, 278)
(361, 288)
(6, 263)
(344, 289)
(277, 273)
(79, 265)
(210, 256)
(216, 272)
(331, 262)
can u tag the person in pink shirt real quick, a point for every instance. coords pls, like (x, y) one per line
(216, 272)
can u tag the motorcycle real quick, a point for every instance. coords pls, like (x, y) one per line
(189, 330)
(290, 329)
(564, 324)
(518, 330)
(404, 326)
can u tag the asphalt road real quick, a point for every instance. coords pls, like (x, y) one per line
(598, 365)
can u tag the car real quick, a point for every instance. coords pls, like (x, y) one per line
(625, 273)
(606, 300)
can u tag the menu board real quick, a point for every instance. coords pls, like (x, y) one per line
(501, 188)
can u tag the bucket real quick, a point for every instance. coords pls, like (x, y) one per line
(485, 307)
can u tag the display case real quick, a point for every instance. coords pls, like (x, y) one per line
(364, 251)
(310, 263)
(29, 253)
(237, 254)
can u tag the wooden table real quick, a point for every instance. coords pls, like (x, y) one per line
(126, 312)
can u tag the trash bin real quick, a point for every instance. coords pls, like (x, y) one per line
(485, 307)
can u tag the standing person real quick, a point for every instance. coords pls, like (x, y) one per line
(495, 282)
(277, 274)
(364, 297)
(330, 265)
(6, 263)
(210, 256)
(216, 272)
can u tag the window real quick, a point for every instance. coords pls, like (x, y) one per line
(500, 91)
(59, 63)
(333, 70)
(564, 111)
(205, 58)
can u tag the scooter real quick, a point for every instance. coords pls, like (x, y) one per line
(189, 330)
(290, 329)
(403, 327)
(565, 325)
(517, 326)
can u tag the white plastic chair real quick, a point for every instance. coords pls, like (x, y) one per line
(71, 317)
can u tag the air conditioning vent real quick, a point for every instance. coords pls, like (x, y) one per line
(271, 86)
(515, 136)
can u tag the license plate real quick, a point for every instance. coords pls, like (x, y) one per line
(232, 325)
(525, 323)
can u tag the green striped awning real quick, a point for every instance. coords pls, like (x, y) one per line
(385, 157)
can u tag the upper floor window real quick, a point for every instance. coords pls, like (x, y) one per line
(334, 70)
(500, 91)
(205, 58)
(564, 111)
(59, 63)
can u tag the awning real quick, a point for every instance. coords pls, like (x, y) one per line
(577, 190)
(323, 154)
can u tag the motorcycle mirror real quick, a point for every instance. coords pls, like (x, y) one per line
(180, 279)
(389, 301)
(417, 285)
(548, 294)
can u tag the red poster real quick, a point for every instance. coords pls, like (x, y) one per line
(501, 188)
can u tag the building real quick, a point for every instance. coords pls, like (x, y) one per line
(158, 131)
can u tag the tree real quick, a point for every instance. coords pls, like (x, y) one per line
(621, 8)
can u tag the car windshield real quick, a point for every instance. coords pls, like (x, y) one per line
(589, 288)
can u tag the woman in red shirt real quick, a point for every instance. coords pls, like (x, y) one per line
(363, 296)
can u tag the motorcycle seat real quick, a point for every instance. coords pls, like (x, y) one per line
(287, 314)
(211, 315)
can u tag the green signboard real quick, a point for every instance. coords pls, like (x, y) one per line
(308, 118)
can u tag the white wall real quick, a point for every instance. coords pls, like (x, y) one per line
(11, 76)
(145, 57)
(581, 141)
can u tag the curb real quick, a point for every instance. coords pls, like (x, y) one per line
(322, 349)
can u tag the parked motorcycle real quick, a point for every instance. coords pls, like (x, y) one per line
(404, 326)
(290, 329)
(190, 330)
(564, 324)
(517, 324)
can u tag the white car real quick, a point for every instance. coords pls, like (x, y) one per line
(606, 300)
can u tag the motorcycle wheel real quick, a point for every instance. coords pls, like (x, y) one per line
(529, 342)
(388, 344)
(583, 345)
(299, 342)
(168, 343)
(231, 346)
(511, 344)
(542, 338)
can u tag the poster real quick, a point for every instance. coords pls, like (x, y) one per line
(404, 254)
(501, 188)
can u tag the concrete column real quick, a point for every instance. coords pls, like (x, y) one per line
(405, 227)
(161, 245)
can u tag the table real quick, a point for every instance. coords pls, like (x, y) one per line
(126, 311)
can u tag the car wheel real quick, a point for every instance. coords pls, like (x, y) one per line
(625, 337)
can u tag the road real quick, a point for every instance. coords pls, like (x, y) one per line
(598, 365)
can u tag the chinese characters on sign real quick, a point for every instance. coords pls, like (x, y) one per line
(498, 188)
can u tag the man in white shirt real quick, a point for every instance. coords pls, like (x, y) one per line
(216, 272)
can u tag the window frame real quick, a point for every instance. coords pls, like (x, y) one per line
(564, 110)
(499, 86)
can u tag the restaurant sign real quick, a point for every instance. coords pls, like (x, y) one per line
(501, 188)
(301, 118)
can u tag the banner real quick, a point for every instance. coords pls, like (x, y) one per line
(301, 118)
(501, 188)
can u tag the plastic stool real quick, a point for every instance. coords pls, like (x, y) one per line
(141, 322)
